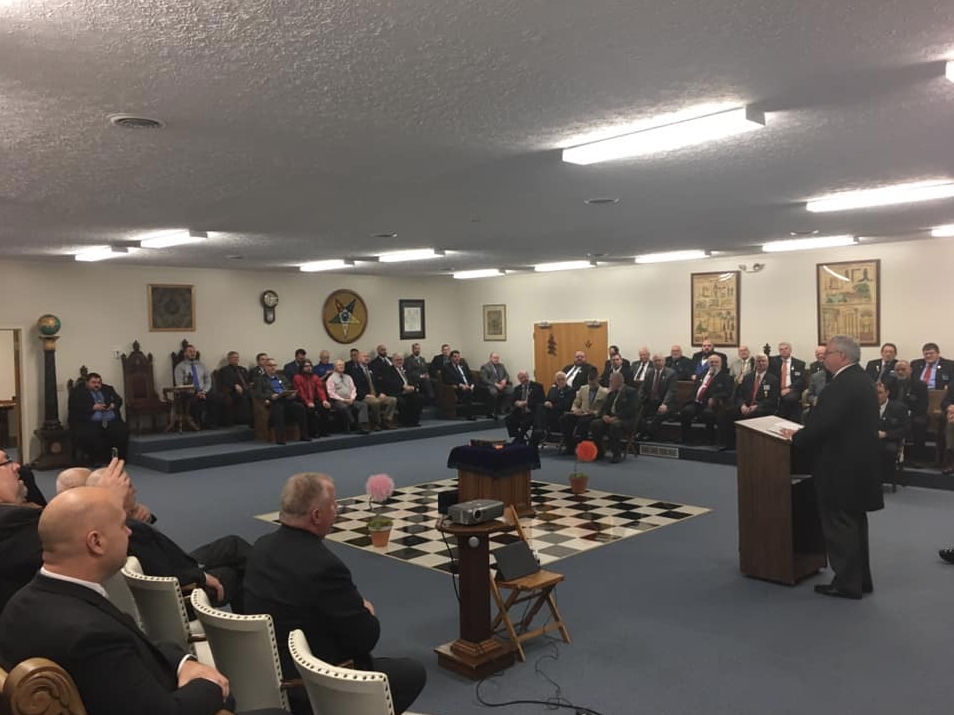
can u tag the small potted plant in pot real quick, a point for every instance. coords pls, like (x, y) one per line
(379, 488)
(585, 452)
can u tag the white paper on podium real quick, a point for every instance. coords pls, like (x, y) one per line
(770, 424)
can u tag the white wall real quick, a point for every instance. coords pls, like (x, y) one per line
(649, 304)
(103, 307)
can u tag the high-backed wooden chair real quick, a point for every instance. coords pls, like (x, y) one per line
(38, 686)
(536, 590)
(139, 388)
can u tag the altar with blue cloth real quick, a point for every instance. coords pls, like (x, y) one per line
(496, 473)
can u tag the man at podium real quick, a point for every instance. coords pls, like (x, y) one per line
(842, 440)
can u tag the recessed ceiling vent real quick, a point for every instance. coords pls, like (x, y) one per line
(130, 121)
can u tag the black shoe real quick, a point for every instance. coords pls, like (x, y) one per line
(305, 439)
(827, 589)
(947, 555)
(471, 418)
(616, 459)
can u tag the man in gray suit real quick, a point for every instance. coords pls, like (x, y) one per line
(498, 383)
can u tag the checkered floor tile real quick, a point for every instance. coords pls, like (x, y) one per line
(565, 523)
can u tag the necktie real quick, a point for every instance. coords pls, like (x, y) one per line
(700, 396)
(572, 374)
(497, 372)
(195, 378)
(613, 406)
(367, 374)
(784, 374)
(592, 398)
(401, 373)
(655, 393)
(755, 392)
(639, 371)
(461, 371)
(926, 376)
(241, 378)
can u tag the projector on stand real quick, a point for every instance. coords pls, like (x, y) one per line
(476, 511)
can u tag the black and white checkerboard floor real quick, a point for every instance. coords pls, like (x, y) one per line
(565, 523)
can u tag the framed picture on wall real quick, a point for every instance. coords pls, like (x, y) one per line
(171, 307)
(715, 308)
(849, 301)
(411, 314)
(495, 322)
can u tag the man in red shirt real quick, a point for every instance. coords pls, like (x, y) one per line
(311, 391)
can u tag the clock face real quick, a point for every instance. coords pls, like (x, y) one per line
(269, 299)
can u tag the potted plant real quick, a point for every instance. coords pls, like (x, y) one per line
(379, 488)
(585, 452)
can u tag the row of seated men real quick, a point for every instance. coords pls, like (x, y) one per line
(752, 386)
(55, 558)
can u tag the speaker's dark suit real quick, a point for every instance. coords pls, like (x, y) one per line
(841, 439)
(624, 406)
(96, 440)
(765, 400)
(530, 416)
(116, 668)
(293, 576)
(21, 554)
(943, 376)
(790, 405)
(652, 396)
(160, 556)
(878, 370)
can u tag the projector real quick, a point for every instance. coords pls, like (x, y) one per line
(476, 511)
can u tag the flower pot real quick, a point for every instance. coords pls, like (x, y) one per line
(379, 537)
(578, 484)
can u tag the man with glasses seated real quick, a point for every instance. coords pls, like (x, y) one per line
(279, 396)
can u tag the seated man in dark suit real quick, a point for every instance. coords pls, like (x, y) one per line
(792, 381)
(218, 566)
(234, 380)
(281, 399)
(527, 413)
(639, 368)
(611, 353)
(381, 364)
(497, 384)
(613, 365)
(294, 367)
(658, 398)
(258, 369)
(756, 396)
(617, 417)
(680, 363)
(558, 401)
(398, 384)
(95, 415)
(418, 371)
(578, 371)
(913, 394)
(457, 373)
(353, 360)
(440, 361)
(575, 424)
(294, 577)
(883, 370)
(714, 388)
(893, 427)
(371, 391)
(933, 370)
(65, 615)
(700, 360)
(819, 364)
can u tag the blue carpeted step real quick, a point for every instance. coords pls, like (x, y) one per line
(179, 440)
(187, 455)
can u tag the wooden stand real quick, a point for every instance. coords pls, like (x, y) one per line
(476, 654)
(179, 407)
(511, 489)
(780, 536)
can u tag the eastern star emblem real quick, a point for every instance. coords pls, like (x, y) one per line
(345, 316)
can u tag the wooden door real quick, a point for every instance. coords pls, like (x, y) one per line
(555, 343)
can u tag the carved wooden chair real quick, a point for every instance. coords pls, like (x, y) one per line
(139, 388)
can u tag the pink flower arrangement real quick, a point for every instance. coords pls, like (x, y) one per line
(379, 487)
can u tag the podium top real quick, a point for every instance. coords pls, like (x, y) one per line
(499, 462)
(769, 425)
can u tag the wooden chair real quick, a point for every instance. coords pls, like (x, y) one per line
(161, 608)
(536, 590)
(139, 388)
(38, 686)
(245, 652)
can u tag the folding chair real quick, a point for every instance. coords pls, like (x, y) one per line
(537, 589)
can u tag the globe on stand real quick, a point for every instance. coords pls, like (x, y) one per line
(49, 325)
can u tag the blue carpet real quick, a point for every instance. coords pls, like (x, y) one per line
(661, 624)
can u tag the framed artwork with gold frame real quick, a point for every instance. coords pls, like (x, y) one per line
(171, 307)
(849, 301)
(495, 322)
(715, 308)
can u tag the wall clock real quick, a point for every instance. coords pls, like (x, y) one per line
(269, 301)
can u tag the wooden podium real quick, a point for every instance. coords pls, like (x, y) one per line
(476, 654)
(780, 536)
(500, 474)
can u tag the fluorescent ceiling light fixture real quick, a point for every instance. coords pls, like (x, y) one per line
(100, 253)
(943, 231)
(562, 266)
(802, 244)
(479, 273)
(668, 136)
(165, 239)
(415, 254)
(885, 196)
(949, 70)
(671, 256)
(329, 265)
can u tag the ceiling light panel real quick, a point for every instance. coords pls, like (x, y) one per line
(166, 239)
(943, 231)
(415, 254)
(671, 256)
(804, 244)
(668, 137)
(562, 266)
(479, 273)
(329, 265)
(100, 253)
(884, 196)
